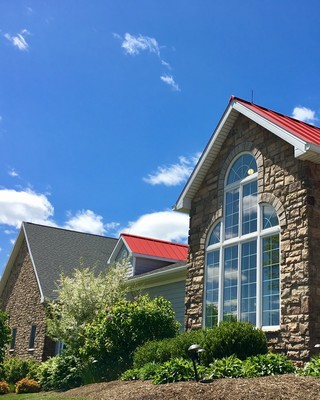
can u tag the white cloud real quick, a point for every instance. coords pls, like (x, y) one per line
(165, 64)
(165, 225)
(133, 45)
(25, 205)
(174, 174)
(86, 221)
(9, 232)
(168, 79)
(19, 39)
(304, 114)
(13, 172)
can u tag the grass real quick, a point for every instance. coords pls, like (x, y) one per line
(39, 396)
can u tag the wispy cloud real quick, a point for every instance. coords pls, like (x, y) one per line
(168, 79)
(12, 172)
(173, 174)
(19, 40)
(165, 225)
(304, 114)
(134, 45)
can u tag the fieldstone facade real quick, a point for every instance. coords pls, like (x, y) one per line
(22, 301)
(292, 187)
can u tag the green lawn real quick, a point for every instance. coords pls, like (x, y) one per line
(39, 396)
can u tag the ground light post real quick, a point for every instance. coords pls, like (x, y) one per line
(194, 351)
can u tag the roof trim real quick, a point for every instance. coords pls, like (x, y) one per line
(303, 149)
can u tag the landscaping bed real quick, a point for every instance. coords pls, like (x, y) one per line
(280, 387)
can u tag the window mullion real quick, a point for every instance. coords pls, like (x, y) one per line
(259, 271)
(221, 281)
(239, 284)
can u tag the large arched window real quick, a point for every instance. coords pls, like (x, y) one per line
(242, 254)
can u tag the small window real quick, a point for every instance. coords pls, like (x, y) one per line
(13, 339)
(32, 337)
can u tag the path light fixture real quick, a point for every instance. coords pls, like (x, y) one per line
(195, 350)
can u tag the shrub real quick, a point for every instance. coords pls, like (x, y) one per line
(311, 368)
(241, 339)
(27, 386)
(271, 364)
(227, 367)
(112, 338)
(4, 334)
(15, 369)
(60, 373)
(4, 387)
(175, 370)
(164, 350)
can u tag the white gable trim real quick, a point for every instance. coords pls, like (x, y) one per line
(117, 248)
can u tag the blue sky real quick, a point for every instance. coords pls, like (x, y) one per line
(106, 105)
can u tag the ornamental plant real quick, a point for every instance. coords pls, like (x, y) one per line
(4, 334)
(4, 387)
(26, 385)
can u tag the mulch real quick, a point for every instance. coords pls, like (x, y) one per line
(280, 387)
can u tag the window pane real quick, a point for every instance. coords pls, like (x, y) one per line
(270, 281)
(232, 214)
(269, 217)
(212, 288)
(249, 208)
(32, 336)
(215, 235)
(244, 166)
(248, 281)
(230, 283)
(13, 338)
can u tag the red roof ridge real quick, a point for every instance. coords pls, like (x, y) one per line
(273, 111)
(153, 239)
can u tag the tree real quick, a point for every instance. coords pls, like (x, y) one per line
(4, 334)
(81, 297)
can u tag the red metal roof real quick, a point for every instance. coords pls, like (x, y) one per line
(156, 247)
(308, 133)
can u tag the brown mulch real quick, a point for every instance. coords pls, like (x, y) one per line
(281, 387)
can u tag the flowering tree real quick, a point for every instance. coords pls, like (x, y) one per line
(81, 297)
(4, 334)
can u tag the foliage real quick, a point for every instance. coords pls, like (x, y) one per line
(163, 350)
(241, 339)
(81, 298)
(147, 372)
(4, 334)
(227, 367)
(175, 370)
(26, 385)
(15, 369)
(60, 373)
(4, 387)
(111, 339)
(271, 364)
(311, 368)
(228, 338)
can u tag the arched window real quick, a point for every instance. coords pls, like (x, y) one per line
(242, 254)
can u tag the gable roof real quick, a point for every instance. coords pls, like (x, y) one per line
(55, 250)
(153, 248)
(303, 137)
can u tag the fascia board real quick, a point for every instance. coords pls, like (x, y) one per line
(42, 299)
(300, 145)
(158, 278)
(184, 201)
(11, 260)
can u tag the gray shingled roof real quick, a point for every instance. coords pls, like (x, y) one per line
(54, 250)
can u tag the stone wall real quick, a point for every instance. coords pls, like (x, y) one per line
(283, 181)
(21, 299)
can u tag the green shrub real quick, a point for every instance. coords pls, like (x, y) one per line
(271, 364)
(175, 370)
(60, 373)
(130, 375)
(15, 369)
(311, 368)
(4, 387)
(227, 367)
(111, 339)
(27, 386)
(164, 350)
(241, 339)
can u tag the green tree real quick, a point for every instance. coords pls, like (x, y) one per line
(81, 297)
(4, 334)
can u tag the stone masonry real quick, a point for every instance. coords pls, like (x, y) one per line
(292, 187)
(21, 299)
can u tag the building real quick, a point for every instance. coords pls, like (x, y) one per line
(254, 238)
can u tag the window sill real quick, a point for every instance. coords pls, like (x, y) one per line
(11, 350)
(31, 350)
(271, 328)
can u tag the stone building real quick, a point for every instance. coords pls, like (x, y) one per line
(254, 239)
